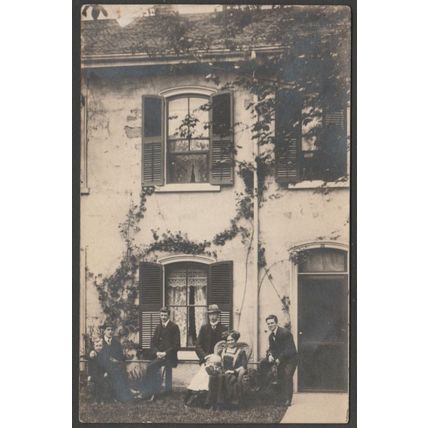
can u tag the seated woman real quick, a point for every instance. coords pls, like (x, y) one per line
(224, 389)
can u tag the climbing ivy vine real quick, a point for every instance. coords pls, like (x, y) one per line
(320, 72)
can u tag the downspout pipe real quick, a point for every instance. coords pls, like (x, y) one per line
(256, 249)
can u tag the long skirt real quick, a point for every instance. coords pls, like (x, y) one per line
(119, 384)
(223, 390)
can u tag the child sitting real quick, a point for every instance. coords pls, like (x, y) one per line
(198, 387)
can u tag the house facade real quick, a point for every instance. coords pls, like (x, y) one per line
(161, 184)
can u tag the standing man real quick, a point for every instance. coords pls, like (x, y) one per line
(282, 353)
(210, 333)
(165, 344)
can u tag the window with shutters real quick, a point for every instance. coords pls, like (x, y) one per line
(188, 139)
(186, 295)
(311, 140)
(187, 288)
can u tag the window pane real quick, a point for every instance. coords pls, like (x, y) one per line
(323, 260)
(197, 295)
(178, 146)
(176, 295)
(199, 145)
(179, 316)
(176, 287)
(197, 281)
(188, 168)
(200, 317)
(201, 128)
(177, 111)
(311, 124)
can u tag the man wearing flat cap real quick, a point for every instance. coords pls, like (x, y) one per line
(210, 333)
(165, 345)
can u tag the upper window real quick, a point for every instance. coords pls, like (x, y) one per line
(311, 140)
(188, 139)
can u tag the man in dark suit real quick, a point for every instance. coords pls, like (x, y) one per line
(165, 344)
(210, 333)
(281, 354)
(114, 362)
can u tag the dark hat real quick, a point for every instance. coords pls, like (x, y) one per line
(213, 309)
(164, 309)
(107, 323)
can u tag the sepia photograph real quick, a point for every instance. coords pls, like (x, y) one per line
(215, 213)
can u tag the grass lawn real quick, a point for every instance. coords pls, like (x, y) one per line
(258, 408)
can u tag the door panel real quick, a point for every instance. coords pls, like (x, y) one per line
(323, 333)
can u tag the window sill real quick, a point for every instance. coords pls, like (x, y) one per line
(84, 190)
(319, 184)
(187, 187)
(187, 356)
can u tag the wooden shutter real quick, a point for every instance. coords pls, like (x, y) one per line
(153, 140)
(333, 142)
(221, 147)
(220, 290)
(151, 300)
(288, 130)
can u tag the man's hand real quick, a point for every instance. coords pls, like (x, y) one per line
(89, 378)
(271, 359)
(229, 371)
(277, 361)
(92, 354)
(160, 354)
(105, 374)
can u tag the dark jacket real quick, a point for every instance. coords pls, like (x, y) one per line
(282, 346)
(97, 367)
(207, 339)
(114, 350)
(167, 339)
(233, 363)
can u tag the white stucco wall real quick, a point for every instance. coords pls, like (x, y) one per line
(114, 180)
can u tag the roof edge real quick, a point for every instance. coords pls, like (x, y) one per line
(124, 60)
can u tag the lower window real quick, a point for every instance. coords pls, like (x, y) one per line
(186, 296)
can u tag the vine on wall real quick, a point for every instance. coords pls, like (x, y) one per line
(261, 77)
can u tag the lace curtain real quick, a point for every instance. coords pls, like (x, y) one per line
(186, 290)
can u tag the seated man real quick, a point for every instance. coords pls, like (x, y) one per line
(115, 365)
(165, 344)
(282, 354)
(209, 334)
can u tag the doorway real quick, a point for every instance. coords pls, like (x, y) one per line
(323, 321)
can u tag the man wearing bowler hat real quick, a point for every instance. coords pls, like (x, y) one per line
(210, 333)
(165, 344)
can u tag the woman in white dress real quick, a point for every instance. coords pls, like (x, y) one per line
(198, 386)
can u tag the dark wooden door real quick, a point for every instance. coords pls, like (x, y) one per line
(323, 333)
